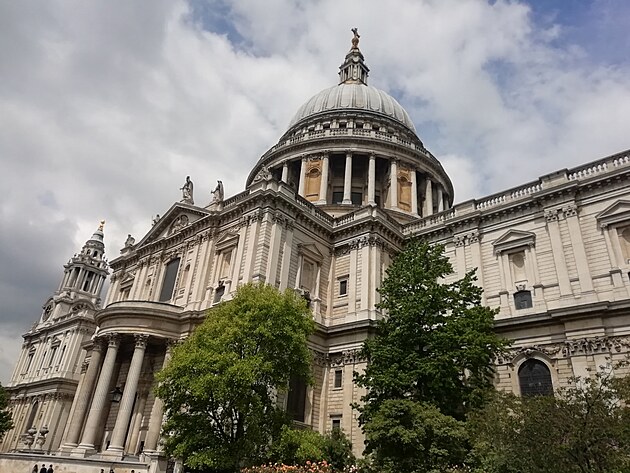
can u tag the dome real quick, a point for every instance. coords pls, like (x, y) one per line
(353, 96)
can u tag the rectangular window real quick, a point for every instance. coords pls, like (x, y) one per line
(356, 198)
(296, 399)
(169, 280)
(337, 197)
(343, 287)
(336, 423)
(307, 279)
(338, 379)
(52, 356)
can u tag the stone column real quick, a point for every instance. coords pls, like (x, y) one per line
(128, 397)
(428, 199)
(323, 184)
(155, 421)
(285, 172)
(302, 177)
(95, 415)
(347, 181)
(553, 228)
(372, 180)
(414, 192)
(440, 199)
(575, 234)
(393, 183)
(83, 397)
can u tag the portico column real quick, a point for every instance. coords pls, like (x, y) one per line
(129, 395)
(414, 192)
(393, 183)
(440, 199)
(95, 415)
(323, 184)
(155, 421)
(83, 396)
(371, 180)
(285, 172)
(347, 181)
(302, 177)
(428, 199)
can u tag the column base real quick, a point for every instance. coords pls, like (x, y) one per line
(321, 202)
(67, 448)
(156, 460)
(346, 202)
(83, 451)
(113, 453)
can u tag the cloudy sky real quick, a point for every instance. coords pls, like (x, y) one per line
(106, 106)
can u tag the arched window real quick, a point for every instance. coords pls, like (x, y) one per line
(535, 379)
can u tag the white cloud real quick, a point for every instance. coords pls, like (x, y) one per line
(108, 106)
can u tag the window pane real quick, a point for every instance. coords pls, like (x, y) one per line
(169, 280)
(338, 378)
(296, 401)
(535, 379)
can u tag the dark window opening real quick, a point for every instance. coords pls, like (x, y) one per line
(336, 424)
(338, 378)
(343, 287)
(337, 197)
(169, 280)
(535, 379)
(523, 300)
(356, 198)
(296, 399)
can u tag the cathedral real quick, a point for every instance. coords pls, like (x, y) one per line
(323, 212)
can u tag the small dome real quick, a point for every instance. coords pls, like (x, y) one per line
(353, 96)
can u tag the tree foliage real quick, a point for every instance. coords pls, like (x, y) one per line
(430, 362)
(299, 446)
(411, 436)
(6, 421)
(584, 428)
(219, 388)
(436, 343)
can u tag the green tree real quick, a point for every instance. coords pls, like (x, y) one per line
(434, 348)
(297, 446)
(412, 436)
(220, 386)
(584, 428)
(6, 422)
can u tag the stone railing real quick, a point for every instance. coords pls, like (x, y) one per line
(547, 182)
(374, 134)
(314, 211)
(235, 199)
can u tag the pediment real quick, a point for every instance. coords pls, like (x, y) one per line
(617, 213)
(311, 251)
(513, 239)
(226, 240)
(178, 217)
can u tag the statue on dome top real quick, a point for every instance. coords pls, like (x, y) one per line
(355, 40)
(101, 225)
(187, 191)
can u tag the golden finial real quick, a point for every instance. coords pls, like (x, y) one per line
(100, 227)
(355, 40)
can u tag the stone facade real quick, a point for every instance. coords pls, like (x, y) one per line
(324, 212)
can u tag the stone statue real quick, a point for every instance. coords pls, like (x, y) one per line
(355, 40)
(156, 219)
(187, 191)
(217, 193)
(130, 241)
(263, 174)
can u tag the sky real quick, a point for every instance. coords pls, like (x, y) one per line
(107, 106)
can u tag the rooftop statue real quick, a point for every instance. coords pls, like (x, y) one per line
(187, 192)
(355, 40)
(217, 193)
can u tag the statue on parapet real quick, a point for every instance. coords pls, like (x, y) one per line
(130, 241)
(187, 191)
(217, 193)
